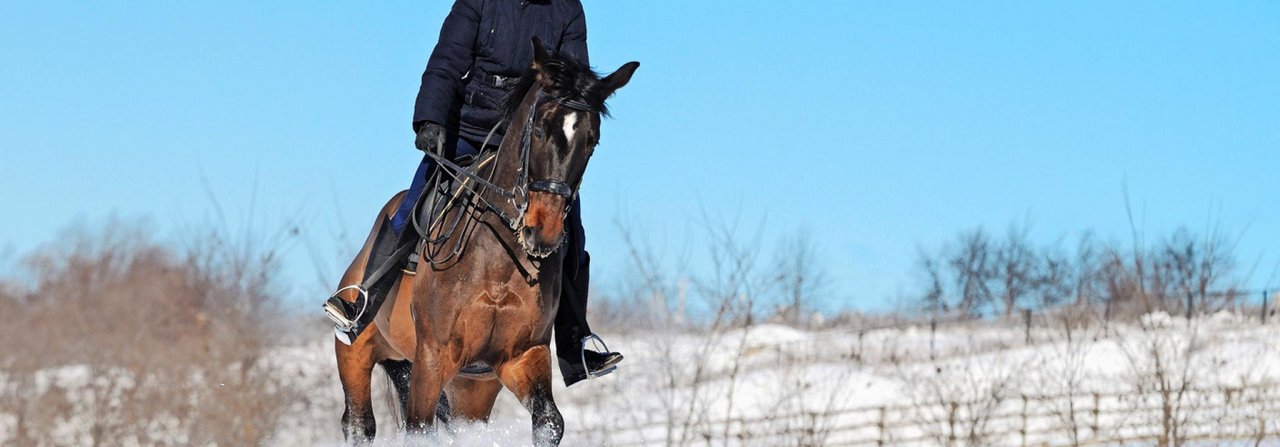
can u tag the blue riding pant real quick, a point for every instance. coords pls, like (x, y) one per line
(462, 149)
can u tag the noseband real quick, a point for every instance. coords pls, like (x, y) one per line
(553, 187)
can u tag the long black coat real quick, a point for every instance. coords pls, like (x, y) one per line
(484, 46)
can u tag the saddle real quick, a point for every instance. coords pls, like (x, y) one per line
(445, 191)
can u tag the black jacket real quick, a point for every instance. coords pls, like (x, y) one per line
(484, 46)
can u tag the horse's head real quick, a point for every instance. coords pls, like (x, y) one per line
(561, 127)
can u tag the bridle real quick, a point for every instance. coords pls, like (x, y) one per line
(523, 183)
(517, 196)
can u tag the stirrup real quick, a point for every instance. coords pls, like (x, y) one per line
(334, 308)
(605, 348)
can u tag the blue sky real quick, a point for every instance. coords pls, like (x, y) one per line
(881, 127)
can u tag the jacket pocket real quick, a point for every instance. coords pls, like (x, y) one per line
(485, 97)
(490, 23)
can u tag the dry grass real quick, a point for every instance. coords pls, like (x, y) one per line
(112, 338)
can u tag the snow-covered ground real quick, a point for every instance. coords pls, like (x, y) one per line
(827, 387)
(983, 383)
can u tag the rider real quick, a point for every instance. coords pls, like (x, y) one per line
(482, 51)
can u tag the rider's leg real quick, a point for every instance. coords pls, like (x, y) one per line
(571, 326)
(402, 217)
(399, 232)
(392, 235)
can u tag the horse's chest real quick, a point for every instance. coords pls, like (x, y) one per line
(503, 296)
(501, 285)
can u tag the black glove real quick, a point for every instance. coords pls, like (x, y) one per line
(430, 137)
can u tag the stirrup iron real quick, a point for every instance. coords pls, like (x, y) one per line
(605, 348)
(334, 308)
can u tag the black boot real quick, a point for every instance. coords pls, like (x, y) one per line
(572, 332)
(600, 363)
(350, 318)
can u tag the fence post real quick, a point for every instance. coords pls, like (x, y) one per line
(951, 423)
(1023, 429)
(861, 334)
(882, 426)
(1264, 306)
(1026, 315)
(811, 430)
(1097, 408)
(1262, 429)
(933, 330)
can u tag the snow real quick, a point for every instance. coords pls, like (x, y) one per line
(776, 384)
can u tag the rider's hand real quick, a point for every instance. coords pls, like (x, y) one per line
(430, 137)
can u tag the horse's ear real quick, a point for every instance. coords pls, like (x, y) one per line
(618, 79)
(540, 54)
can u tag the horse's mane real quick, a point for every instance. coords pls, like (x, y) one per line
(570, 81)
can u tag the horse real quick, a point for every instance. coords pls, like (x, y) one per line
(481, 319)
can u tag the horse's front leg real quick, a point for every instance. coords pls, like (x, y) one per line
(431, 369)
(528, 376)
(472, 399)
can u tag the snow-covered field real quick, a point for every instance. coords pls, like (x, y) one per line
(1209, 382)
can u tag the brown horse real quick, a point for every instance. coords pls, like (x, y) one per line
(482, 320)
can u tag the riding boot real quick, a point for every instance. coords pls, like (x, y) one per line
(571, 328)
(350, 318)
(379, 290)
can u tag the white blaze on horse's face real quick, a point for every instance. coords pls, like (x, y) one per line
(570, 126)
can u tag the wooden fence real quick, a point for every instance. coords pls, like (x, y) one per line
(1116, 418)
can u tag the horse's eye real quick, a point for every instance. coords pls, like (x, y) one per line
(537, 133)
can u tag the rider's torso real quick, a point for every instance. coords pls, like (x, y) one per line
(502, 53)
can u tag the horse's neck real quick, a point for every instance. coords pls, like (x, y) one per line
(507, 165)
(506, 169)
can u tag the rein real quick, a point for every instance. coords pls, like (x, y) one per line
(516, 196)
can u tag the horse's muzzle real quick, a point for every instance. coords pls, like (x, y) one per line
(543, 225)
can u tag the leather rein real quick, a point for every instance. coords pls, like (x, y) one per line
(517, 196)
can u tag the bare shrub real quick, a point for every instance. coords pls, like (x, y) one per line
(700, 364)
(956, 402)
(1183, 274)
(804, 405)
(649, 296)
(973, 267)
(1188, 271)
(1000, 276)
(702, 344)
(801, 279)
(1064, 370)
(121, 340)
(1162, 356)
(1017, 270)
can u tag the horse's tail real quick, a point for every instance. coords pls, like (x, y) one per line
(397, 386)
(393, 402)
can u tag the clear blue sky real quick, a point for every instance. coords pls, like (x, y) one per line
(879, 126)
